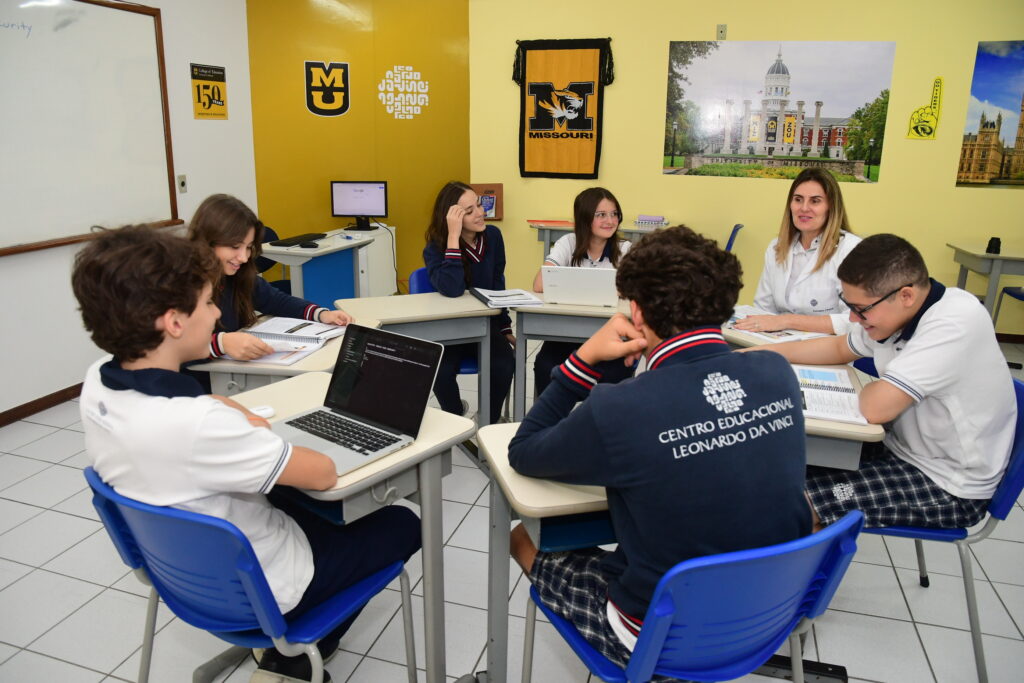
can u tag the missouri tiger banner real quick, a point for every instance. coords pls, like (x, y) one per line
(561, 103)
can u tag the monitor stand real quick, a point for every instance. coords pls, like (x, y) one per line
(362, 223)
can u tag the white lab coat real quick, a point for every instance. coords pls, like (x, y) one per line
(813, 293)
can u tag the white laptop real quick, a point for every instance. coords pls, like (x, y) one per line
(375, 402)
(580, 286)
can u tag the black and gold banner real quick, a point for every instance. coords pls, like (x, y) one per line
(561, 105)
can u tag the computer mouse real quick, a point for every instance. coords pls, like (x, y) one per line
(266, 412)
(310, 245)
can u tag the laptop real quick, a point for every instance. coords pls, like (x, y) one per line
(580, 286)
(375, 402)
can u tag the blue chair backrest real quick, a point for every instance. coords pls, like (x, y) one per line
(263, 264)
(1013, 479)
(419, 282)
(203, 567)
(732, 236)
(720, 617)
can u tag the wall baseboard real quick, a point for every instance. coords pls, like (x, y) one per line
(1010, 338)
(39, 405)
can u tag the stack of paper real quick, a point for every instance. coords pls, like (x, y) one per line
(828, 394)
(505, 298)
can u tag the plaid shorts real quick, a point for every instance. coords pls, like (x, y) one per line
(890, 492)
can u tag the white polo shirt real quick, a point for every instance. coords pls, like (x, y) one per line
(561, 253)
(960, 428)
(154, 437)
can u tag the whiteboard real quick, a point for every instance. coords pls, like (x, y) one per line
(84, 137)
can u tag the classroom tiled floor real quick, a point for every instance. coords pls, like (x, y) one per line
(70, 612)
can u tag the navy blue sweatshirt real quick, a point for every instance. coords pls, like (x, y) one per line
(702, 454)
(486, 270)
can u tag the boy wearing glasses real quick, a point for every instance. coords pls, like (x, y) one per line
(945, 395)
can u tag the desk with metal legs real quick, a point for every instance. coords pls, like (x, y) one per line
(448, 320)
(994, 265)
(416, 470)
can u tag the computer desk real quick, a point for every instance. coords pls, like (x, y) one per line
(325, 272)
(540, 502)
(229, 376)
(431, 316)
(416, 470)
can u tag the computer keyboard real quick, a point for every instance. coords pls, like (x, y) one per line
(344, 431)
(299, 239)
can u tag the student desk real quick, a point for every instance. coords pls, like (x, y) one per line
(994, 265)
(322, 274)
(414, 470)
(548, 232)
(431, 316)
(229, 376)
(540, 503)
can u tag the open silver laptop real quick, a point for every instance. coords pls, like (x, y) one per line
(375, 402)
(580, 286)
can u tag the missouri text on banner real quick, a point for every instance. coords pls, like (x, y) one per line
(561, 103)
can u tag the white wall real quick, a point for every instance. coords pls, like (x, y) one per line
(45, 348)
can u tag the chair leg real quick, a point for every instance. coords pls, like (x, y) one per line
(410, 643)
(316, 663)
(528, 636)
(972, 610)
(796, 657)
(922, 568)
(147, 635)
(999, 302)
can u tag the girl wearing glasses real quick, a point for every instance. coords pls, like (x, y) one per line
(594, 243)
(799, 286)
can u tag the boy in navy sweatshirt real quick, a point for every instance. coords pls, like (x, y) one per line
(702, 454)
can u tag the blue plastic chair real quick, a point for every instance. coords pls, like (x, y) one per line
(1015, 292)
(998, 508)
(263, 264)
(732, 236)
(206, 572)
(720, 617)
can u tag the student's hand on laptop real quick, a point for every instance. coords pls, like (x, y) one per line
(243, 346)
(617, 338)
(337, 317)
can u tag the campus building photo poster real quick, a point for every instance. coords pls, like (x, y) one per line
(992, 151)
(762, 109)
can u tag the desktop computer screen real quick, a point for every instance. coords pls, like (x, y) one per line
(360, 199)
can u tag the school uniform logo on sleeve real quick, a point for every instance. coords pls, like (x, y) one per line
(723, 393)
(327, 91)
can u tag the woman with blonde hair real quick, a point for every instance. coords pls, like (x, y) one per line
(799, 288)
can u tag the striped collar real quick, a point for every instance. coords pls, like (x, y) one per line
(689, 345)
(476, 253)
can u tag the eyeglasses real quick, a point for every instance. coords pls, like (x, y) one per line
(861, 310)
(614, 215)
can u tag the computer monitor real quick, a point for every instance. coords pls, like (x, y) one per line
(360, 199)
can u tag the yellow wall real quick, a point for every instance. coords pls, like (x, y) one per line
(916, 198)
(298, 153)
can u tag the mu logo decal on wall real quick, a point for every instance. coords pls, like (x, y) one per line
(561, 113)
(327, 91)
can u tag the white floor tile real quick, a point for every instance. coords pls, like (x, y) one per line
(41, 600)
(371, 670)
(62, 415)
(472, 534)
(871, 589)
(77, 426)
(55, 447)
(129, 583)
(94, 559)
(102, 634)
(1003, 561)
(17, 434)
(48, 487)
(377, 614)
(874, 648)
(13, 513)
(177, 650)
(14, 468)
(29, 666)
(79, 461)
(870, 549)
(944, 603)
(11, 572)
(952, 655)
(1011, 528)
(465, 637)
(466, 577)
(45, 536)
(6, 652)
(79, 505)
(463, 485)
(940, 557)
(553, 660)
(1013, 597)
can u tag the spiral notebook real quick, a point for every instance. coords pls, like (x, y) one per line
(292, 338)
(828, 394)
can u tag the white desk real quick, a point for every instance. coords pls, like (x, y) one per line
(414, 469)
(537, 499)
(229, 376)
(334, 273)
(994, 265)
(448, 320)
(549, 232)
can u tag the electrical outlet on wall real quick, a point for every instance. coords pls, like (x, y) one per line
(182, 184)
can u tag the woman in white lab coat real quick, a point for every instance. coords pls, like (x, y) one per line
(799, 287)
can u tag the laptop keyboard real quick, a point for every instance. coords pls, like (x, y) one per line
(344, 431)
